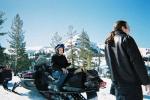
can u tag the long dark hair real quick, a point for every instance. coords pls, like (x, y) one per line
(117, 27)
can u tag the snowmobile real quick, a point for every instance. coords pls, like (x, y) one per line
(78, 81)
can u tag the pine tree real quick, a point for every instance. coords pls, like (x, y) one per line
(3, 56)
(72, 56)
(2, 20)
(85, 50)
(55, 39)
(17, 44)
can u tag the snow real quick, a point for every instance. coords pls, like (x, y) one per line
(26, 94)
(36, 48)
(103, 94)
(145, 52)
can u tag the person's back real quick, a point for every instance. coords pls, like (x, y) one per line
(126, 64)
(125, 71)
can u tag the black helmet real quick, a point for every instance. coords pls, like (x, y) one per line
(59, 46)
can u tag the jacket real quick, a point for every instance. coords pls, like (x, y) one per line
(125, 61)
(59, 61)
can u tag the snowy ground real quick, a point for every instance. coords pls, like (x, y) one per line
(25, 93)
(103, 94)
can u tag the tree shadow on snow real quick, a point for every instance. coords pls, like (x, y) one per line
(35, 95)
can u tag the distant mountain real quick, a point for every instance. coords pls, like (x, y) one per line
(97, 48)
(145, 52)
(40, 49)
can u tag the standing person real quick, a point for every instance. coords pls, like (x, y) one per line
(59, 64)
(126, 64)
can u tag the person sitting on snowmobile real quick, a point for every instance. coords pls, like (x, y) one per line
(59, 64)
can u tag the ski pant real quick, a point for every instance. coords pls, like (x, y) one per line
(60, 78)
(128, 92)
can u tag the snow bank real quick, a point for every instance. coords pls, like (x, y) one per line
(103, 94)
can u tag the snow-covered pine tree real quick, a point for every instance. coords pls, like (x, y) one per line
(85, 54)
(72, 56)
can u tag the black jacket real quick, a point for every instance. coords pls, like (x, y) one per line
(125, 61)
(59, 61)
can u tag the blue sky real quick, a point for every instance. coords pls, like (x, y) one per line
(43, 17)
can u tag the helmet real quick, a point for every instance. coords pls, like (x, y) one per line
(59, 46)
